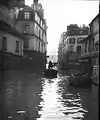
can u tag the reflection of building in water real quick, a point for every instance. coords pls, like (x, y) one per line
(21, 96)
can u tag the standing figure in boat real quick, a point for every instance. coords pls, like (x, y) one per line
(50, 65)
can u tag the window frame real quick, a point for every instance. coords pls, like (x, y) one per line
(17, 46)
(26, 28)
(26, 15)
(4, 43)
(26, 44)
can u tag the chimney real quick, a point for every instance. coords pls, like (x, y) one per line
(23, 2)
(35, 1)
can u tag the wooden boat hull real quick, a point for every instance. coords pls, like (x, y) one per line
(50, 73)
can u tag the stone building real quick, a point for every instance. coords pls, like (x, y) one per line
(70, 47)
(31, 23)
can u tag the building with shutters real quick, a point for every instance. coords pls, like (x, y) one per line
(11, 47)
(31, 23)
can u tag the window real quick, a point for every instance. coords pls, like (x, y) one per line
(79, 39)
(39, 34)
(42, 36)
(78, 49)
(71, 40)
(17, 46)
(82, 49)
(41, 23)
(92, 44)
(26, 44)
(4, 43)
(42, 47)
(26, 28)
(39, 46)
(26, 15)
(89, 46)
(36, 16)
(86, 46)
(97, 46)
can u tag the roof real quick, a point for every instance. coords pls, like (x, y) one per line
(26, 9)
(97, 16)
(5, 27)
(32, 13)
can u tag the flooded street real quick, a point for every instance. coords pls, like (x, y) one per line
(28, 96)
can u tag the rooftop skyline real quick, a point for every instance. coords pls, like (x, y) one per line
(60, 14)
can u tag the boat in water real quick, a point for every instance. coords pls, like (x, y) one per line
(50, 73)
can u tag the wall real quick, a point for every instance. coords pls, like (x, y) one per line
(33, 35)
(11, 43)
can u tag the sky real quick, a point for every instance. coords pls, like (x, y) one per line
(61, 13)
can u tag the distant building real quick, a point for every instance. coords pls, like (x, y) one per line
(70, 47)
(53, 58)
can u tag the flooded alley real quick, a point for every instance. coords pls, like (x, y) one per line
(49, 59)
(28, 96)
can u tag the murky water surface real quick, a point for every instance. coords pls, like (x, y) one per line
(27, 96)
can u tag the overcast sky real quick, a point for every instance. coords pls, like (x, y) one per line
(60, 13)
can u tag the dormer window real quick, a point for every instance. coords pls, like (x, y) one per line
(26, 15)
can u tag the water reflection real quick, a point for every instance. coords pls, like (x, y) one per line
(28, 96)
(21, 95)
(58, 103)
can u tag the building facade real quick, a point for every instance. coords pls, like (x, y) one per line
(32, 24)
(90, 54)
(70, 47)
(24, 27)
(90, 49)
(11, 47)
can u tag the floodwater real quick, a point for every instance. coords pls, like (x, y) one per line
(29, 96)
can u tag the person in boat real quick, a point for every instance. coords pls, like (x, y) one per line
(50, 65)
